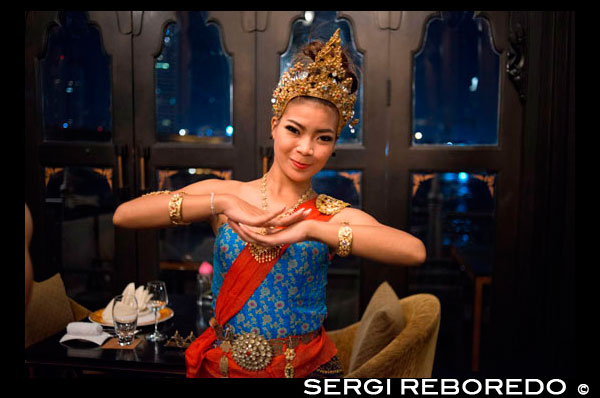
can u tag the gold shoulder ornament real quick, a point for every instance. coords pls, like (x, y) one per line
(329, 205)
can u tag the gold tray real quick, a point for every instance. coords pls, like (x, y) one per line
(163, 315)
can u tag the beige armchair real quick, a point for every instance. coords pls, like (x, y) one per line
(409, 354)
(50, 310)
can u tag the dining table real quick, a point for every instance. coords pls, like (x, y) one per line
(147, 359)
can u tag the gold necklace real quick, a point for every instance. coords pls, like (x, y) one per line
(261, 253)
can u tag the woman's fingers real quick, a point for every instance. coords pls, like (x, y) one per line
(260, 239)
(288, 220)
(242, 233)
(264, 219)
(273, 218)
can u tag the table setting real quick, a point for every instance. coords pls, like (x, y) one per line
(136, 331)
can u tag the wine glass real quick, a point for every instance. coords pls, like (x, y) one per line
(125, 315)
(158, 300)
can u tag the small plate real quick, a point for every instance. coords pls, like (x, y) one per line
(143, 320)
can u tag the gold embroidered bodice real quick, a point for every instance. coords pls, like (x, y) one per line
(330, 205)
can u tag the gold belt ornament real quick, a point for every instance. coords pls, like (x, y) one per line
(253, 352)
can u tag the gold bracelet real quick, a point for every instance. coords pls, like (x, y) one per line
(212, 204)
(175, 209)
(156, 193)
(345, 240)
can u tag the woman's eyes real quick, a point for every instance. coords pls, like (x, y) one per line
(294, 130)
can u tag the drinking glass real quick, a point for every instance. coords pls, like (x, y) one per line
(158, 300)
(125, 315)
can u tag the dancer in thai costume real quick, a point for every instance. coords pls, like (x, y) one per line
(275, 236)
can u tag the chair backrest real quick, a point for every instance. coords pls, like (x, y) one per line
(412, 352)
(50, 310)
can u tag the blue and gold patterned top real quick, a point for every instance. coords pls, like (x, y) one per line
(291, 299)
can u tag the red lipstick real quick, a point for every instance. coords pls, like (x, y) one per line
(301, 166)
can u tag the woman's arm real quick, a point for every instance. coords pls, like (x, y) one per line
(371, 239)
(375, 242)
(153, 211)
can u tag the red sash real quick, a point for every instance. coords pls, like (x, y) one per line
(240, 282)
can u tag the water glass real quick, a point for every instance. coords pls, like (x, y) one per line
(125, 315)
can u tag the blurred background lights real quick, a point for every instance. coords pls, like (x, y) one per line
(474, 82)
(192, 171)
(229, 131)
(418, 135)
(309, 16)
(182, 132)
(65, 125)
(463, 177)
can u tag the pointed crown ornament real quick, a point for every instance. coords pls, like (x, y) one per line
(324, 78)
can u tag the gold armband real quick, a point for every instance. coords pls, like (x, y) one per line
(175, 209)
(345, 240)
(156, 193)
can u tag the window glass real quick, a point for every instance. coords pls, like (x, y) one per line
(76, 82)
(320, 25)
(194, 91)
(79, 233)
(454, 212)
(456, 83)
(341, 184)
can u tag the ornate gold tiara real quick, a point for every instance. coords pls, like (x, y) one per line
(324, 78)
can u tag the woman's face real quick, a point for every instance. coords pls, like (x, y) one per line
(304, 138)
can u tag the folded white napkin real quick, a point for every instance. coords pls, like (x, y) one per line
(142, 297)
(85, 331)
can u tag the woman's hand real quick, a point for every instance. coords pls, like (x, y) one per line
(297, 232)
(239, 211)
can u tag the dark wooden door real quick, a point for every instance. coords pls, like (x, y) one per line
(78, 135)
(177, 57)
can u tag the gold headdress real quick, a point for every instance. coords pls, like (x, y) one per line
(324, 78)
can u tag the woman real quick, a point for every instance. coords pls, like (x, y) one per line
(270, 264)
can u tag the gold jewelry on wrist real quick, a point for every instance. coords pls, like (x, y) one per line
(156, 193)
(212, 203)
(175, 209)
(345, 240)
